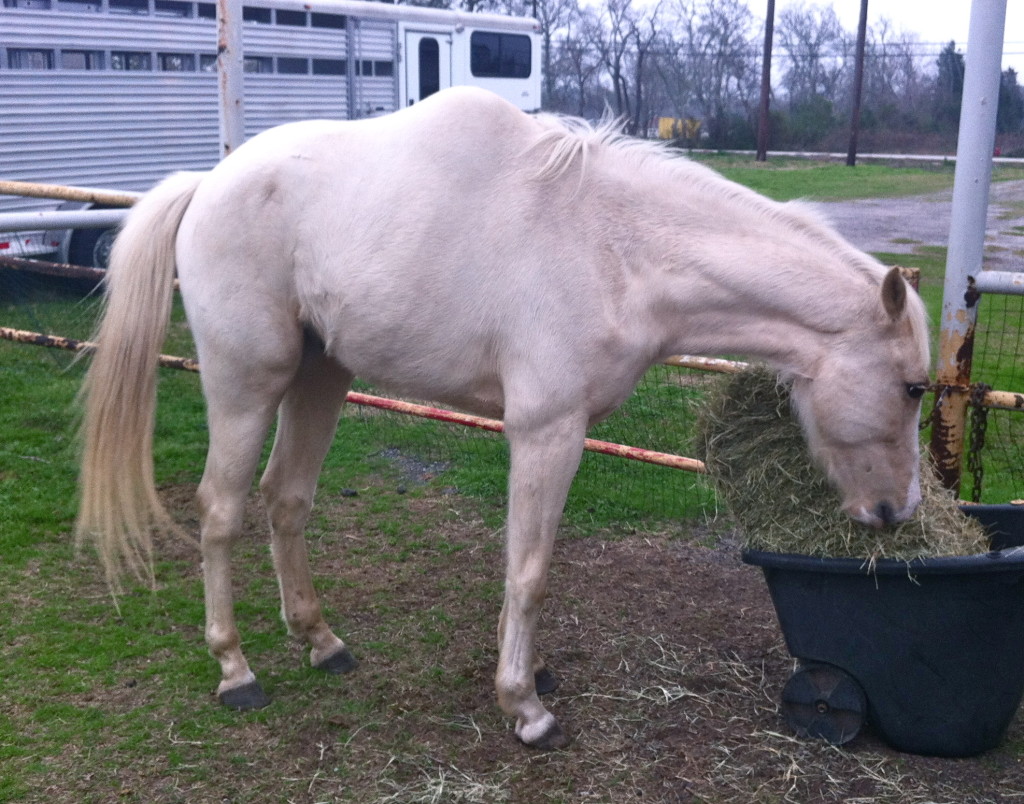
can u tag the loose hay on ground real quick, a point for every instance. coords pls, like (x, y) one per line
(760, 466)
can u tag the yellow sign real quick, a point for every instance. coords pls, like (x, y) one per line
(673, 128)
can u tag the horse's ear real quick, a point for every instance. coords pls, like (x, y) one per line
(894, 294)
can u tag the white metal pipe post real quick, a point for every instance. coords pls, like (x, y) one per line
(967, 233)
(61, 219)
(230, 75)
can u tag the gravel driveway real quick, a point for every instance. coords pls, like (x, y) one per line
(900, 225)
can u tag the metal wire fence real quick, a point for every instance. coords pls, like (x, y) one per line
(996, 437)
(659, 416)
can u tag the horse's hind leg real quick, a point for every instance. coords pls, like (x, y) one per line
(307, 420)
(240, 408)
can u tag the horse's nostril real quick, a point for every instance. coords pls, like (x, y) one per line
(886, 512)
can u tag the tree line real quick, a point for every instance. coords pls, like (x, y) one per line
(700, 61)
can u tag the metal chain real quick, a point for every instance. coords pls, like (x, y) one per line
(931, 418)
(978, 424)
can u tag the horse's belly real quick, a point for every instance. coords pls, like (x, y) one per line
(458, 374)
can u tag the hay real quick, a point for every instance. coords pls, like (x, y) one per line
(759, 464)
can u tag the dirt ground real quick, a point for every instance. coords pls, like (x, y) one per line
(671, 665)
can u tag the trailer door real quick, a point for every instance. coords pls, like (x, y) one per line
(428, 64)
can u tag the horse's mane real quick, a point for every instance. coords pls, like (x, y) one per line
(566, 142)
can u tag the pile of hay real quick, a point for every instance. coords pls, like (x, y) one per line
(759, 464)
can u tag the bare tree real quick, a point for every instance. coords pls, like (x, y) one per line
(713, 42)
(613, 41)
(554, 16)
(895, 84)
(816, 46)
(576, 66)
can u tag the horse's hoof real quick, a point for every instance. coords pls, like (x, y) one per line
(545, 681)
(248, 696)
(338, 663)
(552, 739)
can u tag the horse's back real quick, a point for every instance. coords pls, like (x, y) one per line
(405, 242)
(340, 197)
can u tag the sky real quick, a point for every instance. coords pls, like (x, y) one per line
(935, 22)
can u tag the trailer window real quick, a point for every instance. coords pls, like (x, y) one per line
(34, 4)
(129, 6)
(292, 66)
(430, 67)
(81, 59)
(253, 14)
(382, 69)
(206, 11)
(330, 67)
(19, 58)
(207, 63)
(172, 8)
(130, 60)
(319, 19)
(494, 55)
(257, 64)
(176, 62)
(82, 6)
(295, 18)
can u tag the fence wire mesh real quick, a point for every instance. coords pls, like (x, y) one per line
(607, 489)
(999, 363)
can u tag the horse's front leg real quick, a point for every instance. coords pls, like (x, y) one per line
(543, 463)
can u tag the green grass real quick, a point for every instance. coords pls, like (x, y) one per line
(785, 179)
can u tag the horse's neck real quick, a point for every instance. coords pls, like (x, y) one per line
(741, 285)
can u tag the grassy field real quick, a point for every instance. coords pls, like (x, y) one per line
(673, 672)
(785, 178)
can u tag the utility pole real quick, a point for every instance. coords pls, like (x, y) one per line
(858, 83)
(764, 121)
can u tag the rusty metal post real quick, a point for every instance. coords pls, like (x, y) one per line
(967, 235)
(230, 75)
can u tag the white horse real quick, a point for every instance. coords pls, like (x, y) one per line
(521, 267)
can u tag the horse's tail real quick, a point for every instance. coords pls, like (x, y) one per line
(118, 505)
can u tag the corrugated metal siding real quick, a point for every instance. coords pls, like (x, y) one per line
(274, 99)
(374, 96)
(86, 31)
(374, 39)
(280, 40)
(126, 130)
(117, 130)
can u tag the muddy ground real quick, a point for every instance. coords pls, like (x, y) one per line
(900, 225)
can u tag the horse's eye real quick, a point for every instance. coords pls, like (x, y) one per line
(916, 390)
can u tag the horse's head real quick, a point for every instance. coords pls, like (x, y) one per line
(860, 410)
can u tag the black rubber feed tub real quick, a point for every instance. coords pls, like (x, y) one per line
(930, 653)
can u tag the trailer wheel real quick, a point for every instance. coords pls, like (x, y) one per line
(823, 702)
(91, 247)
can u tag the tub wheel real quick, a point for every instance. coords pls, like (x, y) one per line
(823, 702)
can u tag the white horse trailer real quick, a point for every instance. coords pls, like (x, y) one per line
(119, 93)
